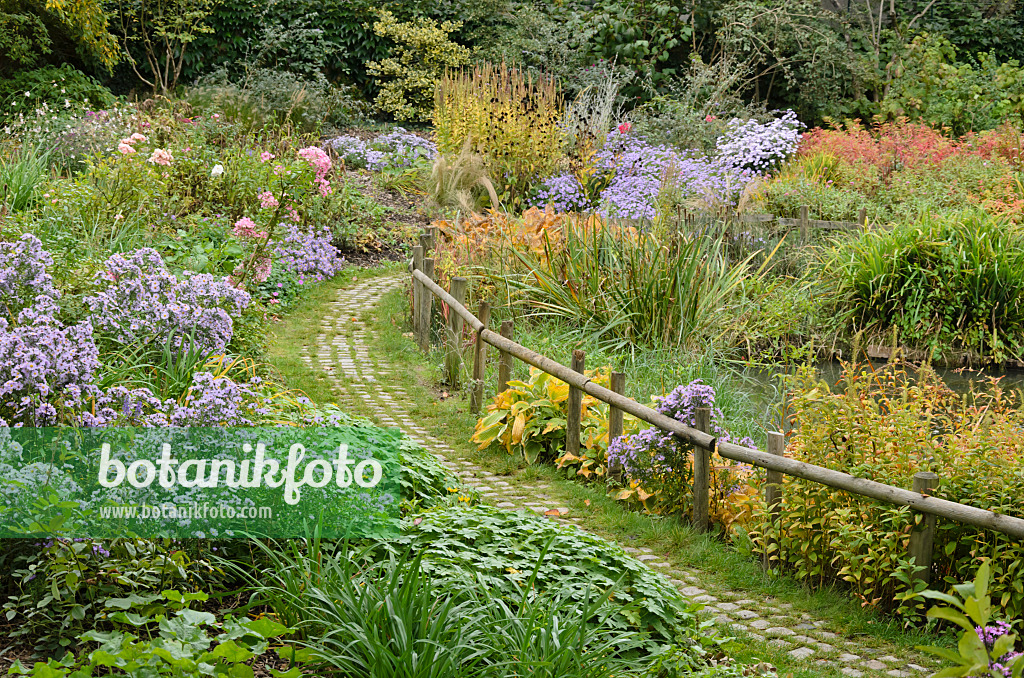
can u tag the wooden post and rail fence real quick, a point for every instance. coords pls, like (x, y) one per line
(703, 442)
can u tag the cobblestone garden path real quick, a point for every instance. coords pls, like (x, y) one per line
(343, 352)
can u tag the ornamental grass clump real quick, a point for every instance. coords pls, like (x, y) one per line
(886, 424)
(946, 283)
(629, 287)
(512, 119)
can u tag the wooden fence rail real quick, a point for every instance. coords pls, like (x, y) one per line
(924, 503)
(919, 499)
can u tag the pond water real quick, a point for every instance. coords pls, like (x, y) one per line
(766, 382)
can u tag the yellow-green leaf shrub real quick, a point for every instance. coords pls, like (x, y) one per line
(422, 53)
(887, 424)
(511, 119)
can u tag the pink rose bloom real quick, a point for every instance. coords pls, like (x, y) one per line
(161, 157)
(625, 127)
(266, 155)
(137, 137)
(710, 118)
(125, 148)
(267, 199)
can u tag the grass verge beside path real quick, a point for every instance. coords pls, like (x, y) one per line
(719, 567)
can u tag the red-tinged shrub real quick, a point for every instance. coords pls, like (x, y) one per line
(886, 147)
(1004, 142)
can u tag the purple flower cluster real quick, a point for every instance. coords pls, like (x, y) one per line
(397, 148)
(211, 401)
(639, 172)
(308, 253)
(653, 451)
(144, 302)
(759, 147)
(43, 364)
(23, 275)
(564, 193)
(989, 635)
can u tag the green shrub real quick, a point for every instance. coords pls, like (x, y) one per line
(945, 282)
(423, 51)
(58, 88)
(963, 96)
(178, 643)
(266, 96)
(886, 425)
(58, 589)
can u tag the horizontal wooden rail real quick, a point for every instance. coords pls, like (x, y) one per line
(970, 515)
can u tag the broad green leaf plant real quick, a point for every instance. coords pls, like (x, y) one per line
(983, 650)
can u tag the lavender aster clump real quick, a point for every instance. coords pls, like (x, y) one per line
(44, 365)
(211, 401)
(23, 275)
(657, 460)
(144, 302)
(397, 148)
(759, 147)
(308, 253)
(564, 193)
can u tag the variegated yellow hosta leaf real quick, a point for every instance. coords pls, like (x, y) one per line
(517, 429)
(553, 425)
(642, 495)
(558, 391)
(566, 458)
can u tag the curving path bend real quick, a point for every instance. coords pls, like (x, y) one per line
(343, 352)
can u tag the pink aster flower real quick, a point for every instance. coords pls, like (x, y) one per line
(267, 199)
(266, 155)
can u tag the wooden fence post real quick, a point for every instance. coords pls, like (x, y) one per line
(702, 475)
(505, 358)
(417, 288)
(453, 359)
(923, 538)
(618, 384)
(773, 494)
(572, 420)
(805, 226)
(476, 396)
(426, 306)
(862, 216)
